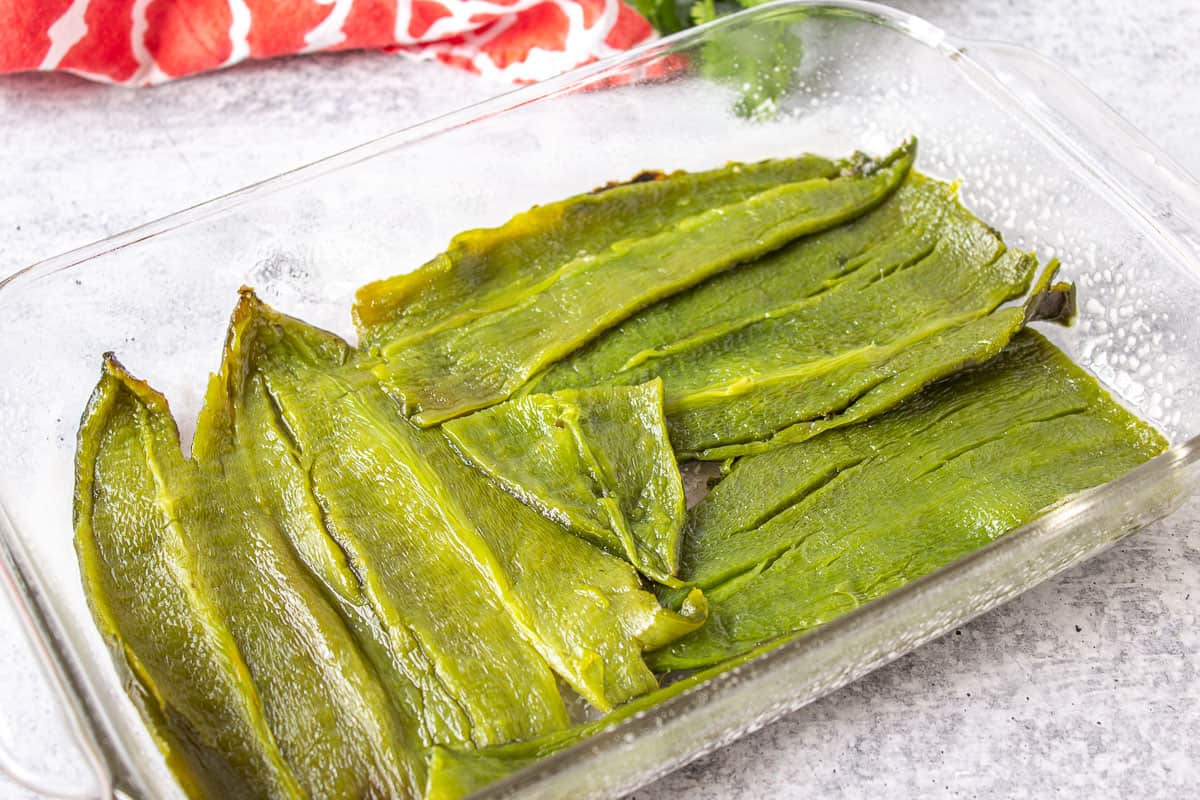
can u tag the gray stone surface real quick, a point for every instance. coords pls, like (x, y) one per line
(1084, 687)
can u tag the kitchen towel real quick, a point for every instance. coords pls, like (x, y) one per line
(145, 42)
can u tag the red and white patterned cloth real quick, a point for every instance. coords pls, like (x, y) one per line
(144, 42)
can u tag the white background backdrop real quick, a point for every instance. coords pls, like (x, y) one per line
(1084, 687)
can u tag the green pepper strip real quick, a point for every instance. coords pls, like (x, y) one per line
(595, 460)
(448, 371)
(284, 491)
(900, 231)
(390, 491)
(153, 605)
(796, 536)
(473, 676)
(481, 270)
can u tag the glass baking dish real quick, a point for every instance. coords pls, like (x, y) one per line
(1038, 156)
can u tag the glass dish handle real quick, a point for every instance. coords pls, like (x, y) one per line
(11, 766)
(1129, 164)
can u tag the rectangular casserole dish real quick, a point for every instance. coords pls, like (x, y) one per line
(1039, 157)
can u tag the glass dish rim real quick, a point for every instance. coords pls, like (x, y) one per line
(61, 659)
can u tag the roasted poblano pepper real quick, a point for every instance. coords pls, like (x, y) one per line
(796, 536)
(424, 654)
(475, 678)
(829, 330)
(204, 603)
(597, 461)
(583, 609)
(467, 360)
(283, 490)
(481, 269)
(492, 591)
(337, 596)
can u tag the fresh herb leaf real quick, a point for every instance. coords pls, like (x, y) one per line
(662, 14)
(762, 61)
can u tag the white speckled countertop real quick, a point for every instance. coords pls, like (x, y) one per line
(1084, 687)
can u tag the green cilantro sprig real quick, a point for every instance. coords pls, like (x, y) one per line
(761, 61)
